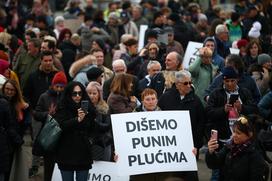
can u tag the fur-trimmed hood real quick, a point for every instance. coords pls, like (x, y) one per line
(102, 107)
(81, 63)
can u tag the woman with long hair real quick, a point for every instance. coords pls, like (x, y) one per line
(120, 99)
(19, 108)
(253, 49)
(103, 123)
(20, 114)
(73, 153)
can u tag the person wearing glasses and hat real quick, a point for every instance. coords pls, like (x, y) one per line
(182, 97)
(240, 158)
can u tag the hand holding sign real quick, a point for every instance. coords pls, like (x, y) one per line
(156, 141)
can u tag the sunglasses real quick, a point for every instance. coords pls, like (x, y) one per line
(185, 83)
(75, 93)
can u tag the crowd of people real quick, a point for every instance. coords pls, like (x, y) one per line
(47, 68)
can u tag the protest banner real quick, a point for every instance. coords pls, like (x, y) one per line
(101, 171)
(159, 141)
(234, 51)
(191, 53)
(143, 29)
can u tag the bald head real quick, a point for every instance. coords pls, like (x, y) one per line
(173, 61)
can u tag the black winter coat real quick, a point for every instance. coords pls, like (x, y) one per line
(8, 135)
(73, 152)
(170, 100)
(216, 114)
(247, 166)
(37, 83)
(47, 99)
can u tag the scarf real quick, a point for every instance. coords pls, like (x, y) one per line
(237, 149)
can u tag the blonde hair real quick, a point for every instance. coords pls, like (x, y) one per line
(101, 106)
(5, 38)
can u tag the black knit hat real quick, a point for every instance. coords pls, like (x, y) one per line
(93, 73)
(229, 73)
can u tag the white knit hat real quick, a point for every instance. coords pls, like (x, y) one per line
(255, 30)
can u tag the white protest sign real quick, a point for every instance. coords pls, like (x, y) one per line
(192, 51)
(101, 171)
(234, 51)
(143, 29)
(159, 141)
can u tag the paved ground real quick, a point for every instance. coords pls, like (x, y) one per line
(203, 172)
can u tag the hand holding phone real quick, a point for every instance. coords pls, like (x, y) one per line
(213, 143)
(214, 134)
(85, 106)
(233, 98)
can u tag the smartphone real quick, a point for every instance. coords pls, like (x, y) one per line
(85, 105)
(233, 98)
(214, 134)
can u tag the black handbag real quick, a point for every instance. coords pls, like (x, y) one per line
(49, 135)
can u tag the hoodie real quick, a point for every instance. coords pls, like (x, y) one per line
(216, 58)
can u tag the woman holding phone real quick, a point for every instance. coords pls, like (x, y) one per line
(240, 158)
(73, 153)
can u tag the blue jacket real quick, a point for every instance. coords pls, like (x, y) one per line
(265, 106)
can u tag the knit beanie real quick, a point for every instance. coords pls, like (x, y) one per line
(255, 30)
(263, 58)
(93, 73)
(242, 43)
(59, 78)
(4, 65)
(229, 73)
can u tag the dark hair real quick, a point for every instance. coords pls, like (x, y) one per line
(245, 125)
(235, 16)
(87, 18)
(51, 44)
(66, 99)
(130, 42)
(62, 34)
(31, 34)
(214, 23)
(121, 84)
(254, 68)
(36, 42)
(236, 61)
(250, 44)
(46, 53)
(93, 50)
(42, 19)
(126, 5)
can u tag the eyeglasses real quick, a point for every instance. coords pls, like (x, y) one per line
(76, 93)
(185, 83)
